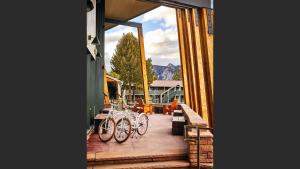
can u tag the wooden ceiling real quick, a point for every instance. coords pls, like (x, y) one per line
(125, 10)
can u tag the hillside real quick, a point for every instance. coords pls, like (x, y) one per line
(165, 72)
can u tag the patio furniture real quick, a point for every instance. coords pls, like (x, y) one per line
(178, 123)
(169, 109)
(177, 113)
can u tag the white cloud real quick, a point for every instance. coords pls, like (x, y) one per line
(160, 44)
(166, 14)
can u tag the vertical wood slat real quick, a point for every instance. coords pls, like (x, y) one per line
(106, 94)
(190, 61)
(187, 53)
(199, 65)
(196, 54)
(183, 56)
(207, 45)
(208, 41)
(143, 65)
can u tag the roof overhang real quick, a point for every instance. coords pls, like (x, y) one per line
(125, 10)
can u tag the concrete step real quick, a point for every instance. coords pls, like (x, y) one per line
(173, 164)
(134, 158)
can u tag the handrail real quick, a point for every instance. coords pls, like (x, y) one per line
(195, 139)
(167, 91)
(194, 122)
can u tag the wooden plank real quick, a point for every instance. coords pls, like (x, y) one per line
(186, 58)
(191, 62)
(182, 56)
(199, 66)
(207, 45)
(208, 41)
(106, 94)
(183, 3)
(125, 10)
(143, 65)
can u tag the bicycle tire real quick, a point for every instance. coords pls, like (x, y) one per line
(127, 133)
(100, 129)
(138, 129)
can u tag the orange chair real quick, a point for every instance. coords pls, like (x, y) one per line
(139, 105)
(168, 109)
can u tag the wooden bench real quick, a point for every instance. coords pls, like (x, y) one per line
(178, 123)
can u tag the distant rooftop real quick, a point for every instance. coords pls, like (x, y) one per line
(166, 83)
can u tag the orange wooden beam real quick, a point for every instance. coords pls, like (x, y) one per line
(183, 56)
(143, 64)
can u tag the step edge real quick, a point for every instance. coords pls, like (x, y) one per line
(182, 163)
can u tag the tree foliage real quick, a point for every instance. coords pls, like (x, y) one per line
(126, 63)
(177, 75)
(150, 73)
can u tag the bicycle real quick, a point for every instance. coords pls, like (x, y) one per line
(140, 123)
(107, 127)
(124, 128)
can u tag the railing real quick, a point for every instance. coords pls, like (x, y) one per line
(196, 139)
(194, 128)
(151, 92)
(169, 94)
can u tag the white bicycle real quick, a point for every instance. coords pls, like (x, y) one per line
(107, 127)
(130, 123)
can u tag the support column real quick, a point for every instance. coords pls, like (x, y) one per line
(100, 19)
(196, 54)
(143, 64)
(183, 56)
(207, 46)
(199, 66)
(191, 62)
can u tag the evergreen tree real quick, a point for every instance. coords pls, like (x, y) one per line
(126, 63)
(177, 75)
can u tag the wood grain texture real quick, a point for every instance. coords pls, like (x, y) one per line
(207, 52)
(191, 61)
(125, 10)
(182, 56)
(143, 65)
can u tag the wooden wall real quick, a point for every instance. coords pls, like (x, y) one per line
(196, 54)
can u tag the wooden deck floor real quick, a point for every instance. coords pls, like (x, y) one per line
(158, 140)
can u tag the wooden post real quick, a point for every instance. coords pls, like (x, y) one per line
(143, 64)
(199, 66)
(191, 61)
(182, 49)
(207, 46)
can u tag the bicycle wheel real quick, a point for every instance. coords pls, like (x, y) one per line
(106, 129)
(142, 124)
(123, 130)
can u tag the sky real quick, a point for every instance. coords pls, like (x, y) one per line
(160, 37)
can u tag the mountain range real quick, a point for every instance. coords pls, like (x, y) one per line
(165, 72)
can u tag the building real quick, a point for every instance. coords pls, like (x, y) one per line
(161, 91)
(195, 37)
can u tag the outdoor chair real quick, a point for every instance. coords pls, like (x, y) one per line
(168, 109)
(138, 106)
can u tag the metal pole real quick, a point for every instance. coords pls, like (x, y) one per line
(198, 147)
